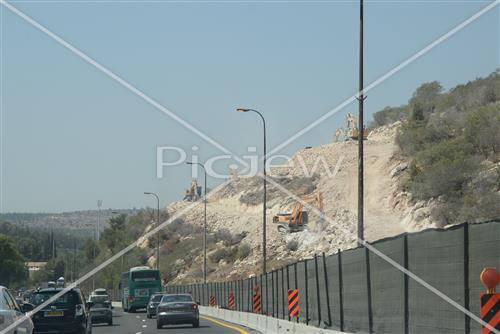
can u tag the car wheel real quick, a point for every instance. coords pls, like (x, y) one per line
(148, 315)
(131, 310)
(110, 322)
(159, 325)
(196, 324)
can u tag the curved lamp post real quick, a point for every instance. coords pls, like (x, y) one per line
(265, 191)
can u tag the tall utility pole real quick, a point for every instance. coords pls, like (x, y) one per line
(264, 204)
(361, 99)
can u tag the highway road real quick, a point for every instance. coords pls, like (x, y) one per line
(138, 323)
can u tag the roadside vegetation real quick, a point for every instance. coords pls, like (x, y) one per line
(452, 140)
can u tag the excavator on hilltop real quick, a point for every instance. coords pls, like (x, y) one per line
(296, 220)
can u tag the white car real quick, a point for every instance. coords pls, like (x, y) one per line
(11, 312)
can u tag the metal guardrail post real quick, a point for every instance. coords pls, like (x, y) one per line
(306, 292)
(466, 277)
(406, 282)
(272, 291)
(287, 288)
(318, 296)
(369, 291)
(283, 292)
(327, 290)
(341, 291)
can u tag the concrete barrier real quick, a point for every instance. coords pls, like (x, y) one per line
(264, 324)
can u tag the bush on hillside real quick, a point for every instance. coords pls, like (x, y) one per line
(389, 115)
(244, 250)
(453, 141)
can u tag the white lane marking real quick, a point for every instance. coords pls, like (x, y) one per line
(144, 326)
(143, 320)
(138, 333)
(138, 317)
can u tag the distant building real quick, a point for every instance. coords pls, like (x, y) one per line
(34, 267)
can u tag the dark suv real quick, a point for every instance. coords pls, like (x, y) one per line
(67, 314)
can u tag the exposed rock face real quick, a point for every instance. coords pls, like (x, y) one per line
(331, 169)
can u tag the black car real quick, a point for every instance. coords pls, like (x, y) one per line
(153, 304)
(101, 309)
(177, 309)
(68, 314)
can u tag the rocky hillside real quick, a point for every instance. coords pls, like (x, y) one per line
(234, 212)
(432, 162)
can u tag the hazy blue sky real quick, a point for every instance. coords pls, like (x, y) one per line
(71, 135)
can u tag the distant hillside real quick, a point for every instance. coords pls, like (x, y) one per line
(85, 221)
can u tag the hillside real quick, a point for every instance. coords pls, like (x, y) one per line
(397, 163)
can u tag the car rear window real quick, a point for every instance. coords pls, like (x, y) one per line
(156, 298)
(70, 297)
(176, 298)
(98, 299)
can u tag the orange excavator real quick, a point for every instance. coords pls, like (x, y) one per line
(298, 218)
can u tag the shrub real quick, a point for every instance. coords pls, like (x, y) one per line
(225, 236)
(244, 251)
(226, 254)
(292, 245)
(389, 115)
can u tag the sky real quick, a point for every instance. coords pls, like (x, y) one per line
(71, 135)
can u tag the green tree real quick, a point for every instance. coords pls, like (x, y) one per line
(12, 268)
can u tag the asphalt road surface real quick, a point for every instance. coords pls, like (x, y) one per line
(138, 323)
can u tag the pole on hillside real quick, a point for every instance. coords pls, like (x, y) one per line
(361, 99)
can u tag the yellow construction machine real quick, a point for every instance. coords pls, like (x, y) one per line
(298, 218)
(355, 133)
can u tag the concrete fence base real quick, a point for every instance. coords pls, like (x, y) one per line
(264, 324)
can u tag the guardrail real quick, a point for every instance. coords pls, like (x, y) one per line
(357, 291)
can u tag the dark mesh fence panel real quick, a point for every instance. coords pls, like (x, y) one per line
(311, 292)
(246, 296)
(355, 295)
(332, 266)
(281, 296)
(388, 287)
(437, 258)
(484, 251)
(301, 278)
(322, 292)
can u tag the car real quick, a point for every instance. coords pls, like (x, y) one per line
(100, 292)
(11, 312)
(101, 310)
(68, 314)
(177, 309)
(153, 303)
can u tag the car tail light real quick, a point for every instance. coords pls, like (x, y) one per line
(131, 298)
(78, 310)
(195, 307)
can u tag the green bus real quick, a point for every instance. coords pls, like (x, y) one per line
(137, 285)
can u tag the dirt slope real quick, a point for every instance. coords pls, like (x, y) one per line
(237, 207)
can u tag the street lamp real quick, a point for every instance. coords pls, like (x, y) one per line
(96, 234)
(204, 220)
(264, 204)
(158, 232)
